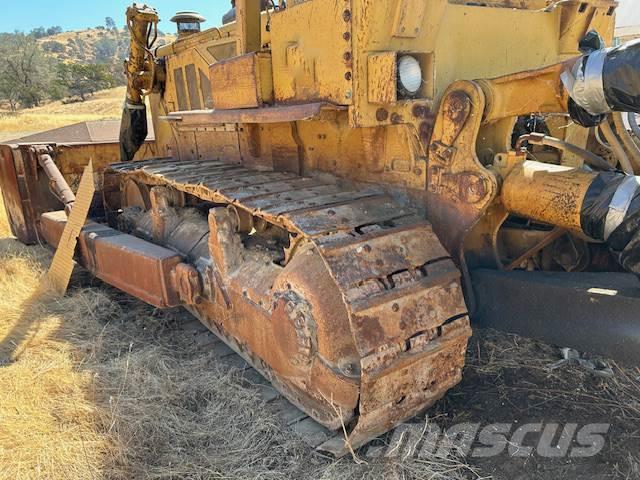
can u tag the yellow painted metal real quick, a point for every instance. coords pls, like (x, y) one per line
(446, 150)
(547, 193)
(340, 51)
(245, 81)
(140, 21)
(248, 25)
(382, 72)
(73, 158)
(582, 17)
(466, 42)
(311, 45)
(539, 91)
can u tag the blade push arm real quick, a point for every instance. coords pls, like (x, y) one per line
(587, 87)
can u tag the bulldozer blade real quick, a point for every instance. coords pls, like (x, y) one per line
(590, 312)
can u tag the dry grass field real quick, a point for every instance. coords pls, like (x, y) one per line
(104, 105)
(80, 45)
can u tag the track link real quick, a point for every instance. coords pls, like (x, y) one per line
(306, 428)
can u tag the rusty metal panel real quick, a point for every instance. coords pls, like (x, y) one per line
(325, 200)
(52, 225)
(172, 165)
(275, 114)
(435, 364)
(13, 199)
(219, 144)
(261, 196)
(128, 166)
(390, 396)
(409, 18)
(347, 217)
(265, 203)
(399, 314)
(133, 265)
(242, 82)
(25, 186)
(382, 253)
(244, 180)
(215, 181)
(382, 75)
(31, 191)
(199, 173)
(71, 158)
(313, 61)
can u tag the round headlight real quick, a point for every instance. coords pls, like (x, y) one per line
(409, 75)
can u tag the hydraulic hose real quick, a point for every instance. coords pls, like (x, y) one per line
(629, 145)
(540, 139)
(617, 148)
(611, 212)
(142, 22)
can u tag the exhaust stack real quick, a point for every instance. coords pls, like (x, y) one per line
(188, 23)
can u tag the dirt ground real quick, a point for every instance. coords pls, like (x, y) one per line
(99, 386)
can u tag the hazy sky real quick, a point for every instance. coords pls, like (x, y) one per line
(79, 14)
(628, 13)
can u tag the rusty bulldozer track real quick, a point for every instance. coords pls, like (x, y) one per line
(388, 336)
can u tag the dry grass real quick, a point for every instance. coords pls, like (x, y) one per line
(89, 38)
(104, 105)
(46, 416)
(498, 353)
(507, 379)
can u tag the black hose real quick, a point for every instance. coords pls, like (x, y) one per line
(539, 139)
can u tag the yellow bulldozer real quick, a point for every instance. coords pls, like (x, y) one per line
(337, 188)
